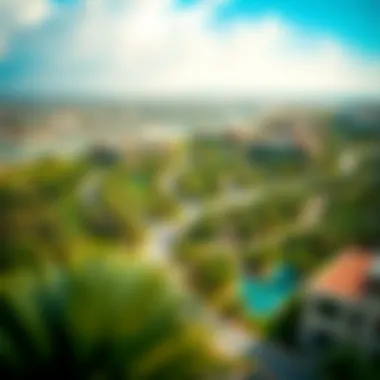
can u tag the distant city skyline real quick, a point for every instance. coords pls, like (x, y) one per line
(190, 48)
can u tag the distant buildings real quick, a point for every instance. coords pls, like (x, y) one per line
(27, 134)
(342, 304)
(277, 127)
(358, 124)
(103, 155)
(277, 153)
(156, 139)
(283, 139)
(238, 134)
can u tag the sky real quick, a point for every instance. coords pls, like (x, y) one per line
(173, 48)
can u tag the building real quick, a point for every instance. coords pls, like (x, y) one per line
(276, 153)
(104, 155)
(237, 134)
(357, 124)
(283, 141)
(159, 138)
(342, 305)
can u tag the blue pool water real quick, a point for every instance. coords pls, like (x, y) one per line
(264, 295)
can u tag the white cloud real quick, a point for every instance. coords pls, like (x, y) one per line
(149, 46)
(24, 13)
(3, 45)
(32, 12)
(20, 14)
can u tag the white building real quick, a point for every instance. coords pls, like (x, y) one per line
(342, 304)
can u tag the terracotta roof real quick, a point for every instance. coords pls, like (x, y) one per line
(346, 275)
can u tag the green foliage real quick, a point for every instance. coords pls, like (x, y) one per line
(31, 223)
(348, 363)
(101, 320)
(283, 328)
(257, 259)
(205, 230)
(282, 160)
(55, 178)
(305, 251)
(113, 224)
(137, 192)
(232, 307)
(215, 164)
(214, 271)
(198, 183)
(353, 213)
(162, 206)
(245, 224)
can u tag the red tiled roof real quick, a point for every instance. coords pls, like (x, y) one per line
(346, 275)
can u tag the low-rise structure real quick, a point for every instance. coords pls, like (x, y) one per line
(342, 304)
(104, 155)
(357, 124)
(277, 152)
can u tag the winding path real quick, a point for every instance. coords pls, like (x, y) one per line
(228, 337)
(162, 235)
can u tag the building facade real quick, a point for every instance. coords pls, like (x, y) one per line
(342, 305)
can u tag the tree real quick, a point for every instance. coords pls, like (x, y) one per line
(305, 250)
(348, 363)
(106, 320)
(206, 230)
(161, 205)
(29, 226)
(112, 224)
(283, 328)
(214, 272)
(353, 212)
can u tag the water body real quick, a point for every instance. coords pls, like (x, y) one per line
(265, 295)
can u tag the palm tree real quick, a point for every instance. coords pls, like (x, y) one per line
(102, 321)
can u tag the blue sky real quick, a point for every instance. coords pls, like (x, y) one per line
(189, 47)
(355, 23)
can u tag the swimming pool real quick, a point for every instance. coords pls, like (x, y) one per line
(264, 295)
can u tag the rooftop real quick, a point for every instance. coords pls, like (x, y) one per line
(346, 275)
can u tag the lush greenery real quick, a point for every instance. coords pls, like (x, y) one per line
(108, 320)
(246, 230)
(353, 215)
(283, 328)
(64, 315)
(54, 209)
(349, 362)
(31, 222)
(275, 227)
(215, 164)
